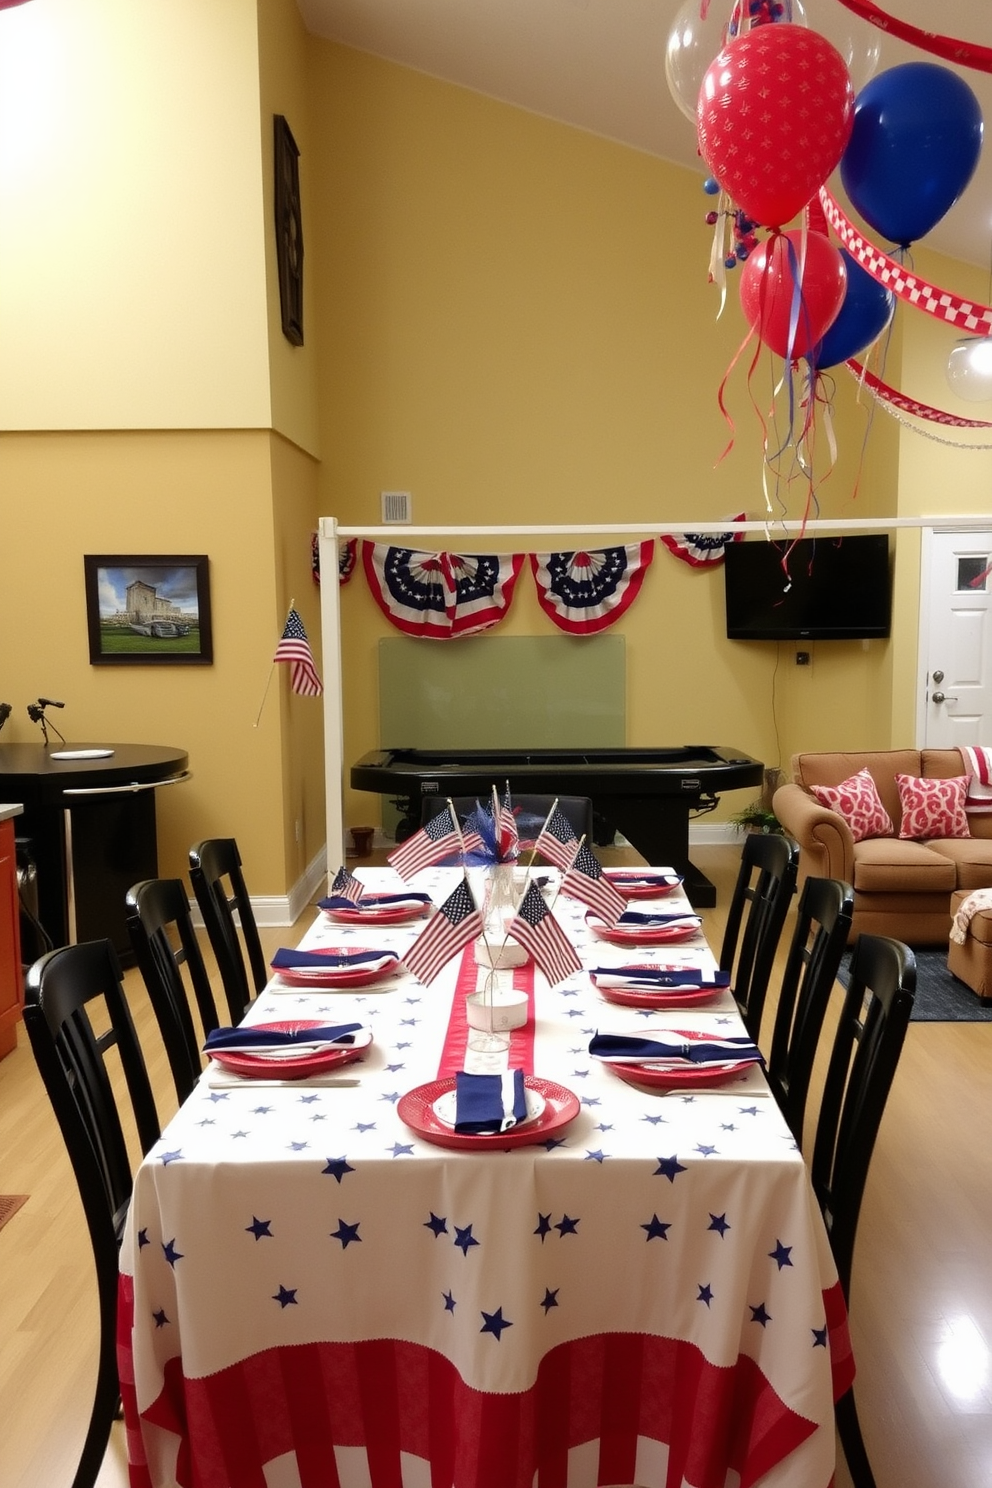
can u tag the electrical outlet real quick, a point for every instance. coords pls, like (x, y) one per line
(802, 658)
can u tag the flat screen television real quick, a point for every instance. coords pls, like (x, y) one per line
(835, 589)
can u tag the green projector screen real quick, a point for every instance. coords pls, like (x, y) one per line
(488, 692)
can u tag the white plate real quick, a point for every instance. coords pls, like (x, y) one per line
(445, 1105)
(81, 754)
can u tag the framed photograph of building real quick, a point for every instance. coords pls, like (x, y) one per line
(148, 611)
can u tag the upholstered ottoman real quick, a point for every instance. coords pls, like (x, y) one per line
(971, 962)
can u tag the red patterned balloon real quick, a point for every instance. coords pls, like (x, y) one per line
(774, 115)
(769, 283)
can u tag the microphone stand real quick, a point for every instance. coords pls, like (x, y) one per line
(37, 715)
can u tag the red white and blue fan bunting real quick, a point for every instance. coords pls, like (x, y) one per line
(347, 557)
(701, 549)
(586, 592)
(440, 596)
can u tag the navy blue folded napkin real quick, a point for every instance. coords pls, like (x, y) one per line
(632, 880)
(249, 1038)
(284, 959)
(489, 1103)
(672, 1049)
(369, 903)
(650, 976)
(634, 917)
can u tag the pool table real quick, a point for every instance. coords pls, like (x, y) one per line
(649, 795)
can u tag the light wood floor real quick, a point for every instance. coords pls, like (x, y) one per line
(921, 1310)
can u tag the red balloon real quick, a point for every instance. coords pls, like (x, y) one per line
(775, 112)
(769, 297)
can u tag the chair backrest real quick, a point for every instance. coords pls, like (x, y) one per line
(62, 990)
(531, 811)
(168, 955)
(219, 886)
(862, 1065)
(766, 882)
(823, 920)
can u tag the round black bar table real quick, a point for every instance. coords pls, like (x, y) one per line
(89, 824)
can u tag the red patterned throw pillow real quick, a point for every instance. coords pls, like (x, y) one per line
(858, 802)
(933, 808)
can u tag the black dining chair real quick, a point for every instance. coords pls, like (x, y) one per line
(766, 882)
(76, 1015)
(823, 920)
(863, 1061)
(531, 811)
(221, 892)
(171, 964)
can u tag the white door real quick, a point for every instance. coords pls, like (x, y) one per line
(956, 639)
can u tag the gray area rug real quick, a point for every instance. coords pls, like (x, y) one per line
(940, 997)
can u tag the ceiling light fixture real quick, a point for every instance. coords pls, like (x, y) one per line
(969, 366)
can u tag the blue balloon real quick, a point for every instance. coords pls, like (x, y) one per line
(915, 143)
(867, 309)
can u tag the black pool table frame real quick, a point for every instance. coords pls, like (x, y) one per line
(649, 795)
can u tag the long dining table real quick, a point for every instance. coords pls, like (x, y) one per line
(317, 1291)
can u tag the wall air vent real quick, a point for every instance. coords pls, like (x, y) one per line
(397, 506)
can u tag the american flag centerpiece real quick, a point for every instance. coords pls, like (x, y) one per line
(536, 929)
(456, 922)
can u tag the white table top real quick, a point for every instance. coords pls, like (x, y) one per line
(292, 1216)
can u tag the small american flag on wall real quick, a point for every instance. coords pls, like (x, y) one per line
(294, 648)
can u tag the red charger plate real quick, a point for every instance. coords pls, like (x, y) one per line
(667, 1077)
(645, 935)
(415, 1110)
(665, 997)
(282, 1067)
(630, 888)
(337, 976)
(372, 916)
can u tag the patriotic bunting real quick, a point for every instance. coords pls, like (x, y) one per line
(701, 549)
(585, 592)
(440, 595)
(347, 557)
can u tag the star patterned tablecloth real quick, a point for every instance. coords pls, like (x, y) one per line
(314, 1296)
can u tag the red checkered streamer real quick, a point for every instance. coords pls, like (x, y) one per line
(585, 592)
(456, 922)
(941, 303)
(701, 549)
(440, 596)
(888, 394)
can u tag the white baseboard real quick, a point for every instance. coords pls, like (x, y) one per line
(712, 833)
(271, 910)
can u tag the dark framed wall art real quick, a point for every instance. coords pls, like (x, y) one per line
(148, 610)
(289, 231)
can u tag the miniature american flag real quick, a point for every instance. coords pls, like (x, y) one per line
(346, 886)
(294, 648)
(506, 826)
(585, 880)
(537, 930)
(456, 922)
(557, 841)
(433, 842)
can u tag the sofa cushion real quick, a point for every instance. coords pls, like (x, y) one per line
(886, 865)
(933, 808)
(858, 802)
(972, 859)
(831, 767)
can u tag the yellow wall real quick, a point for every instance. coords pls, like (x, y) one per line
(131, 200)
(518, 328)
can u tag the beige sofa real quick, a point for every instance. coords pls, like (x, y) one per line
(901, 888)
